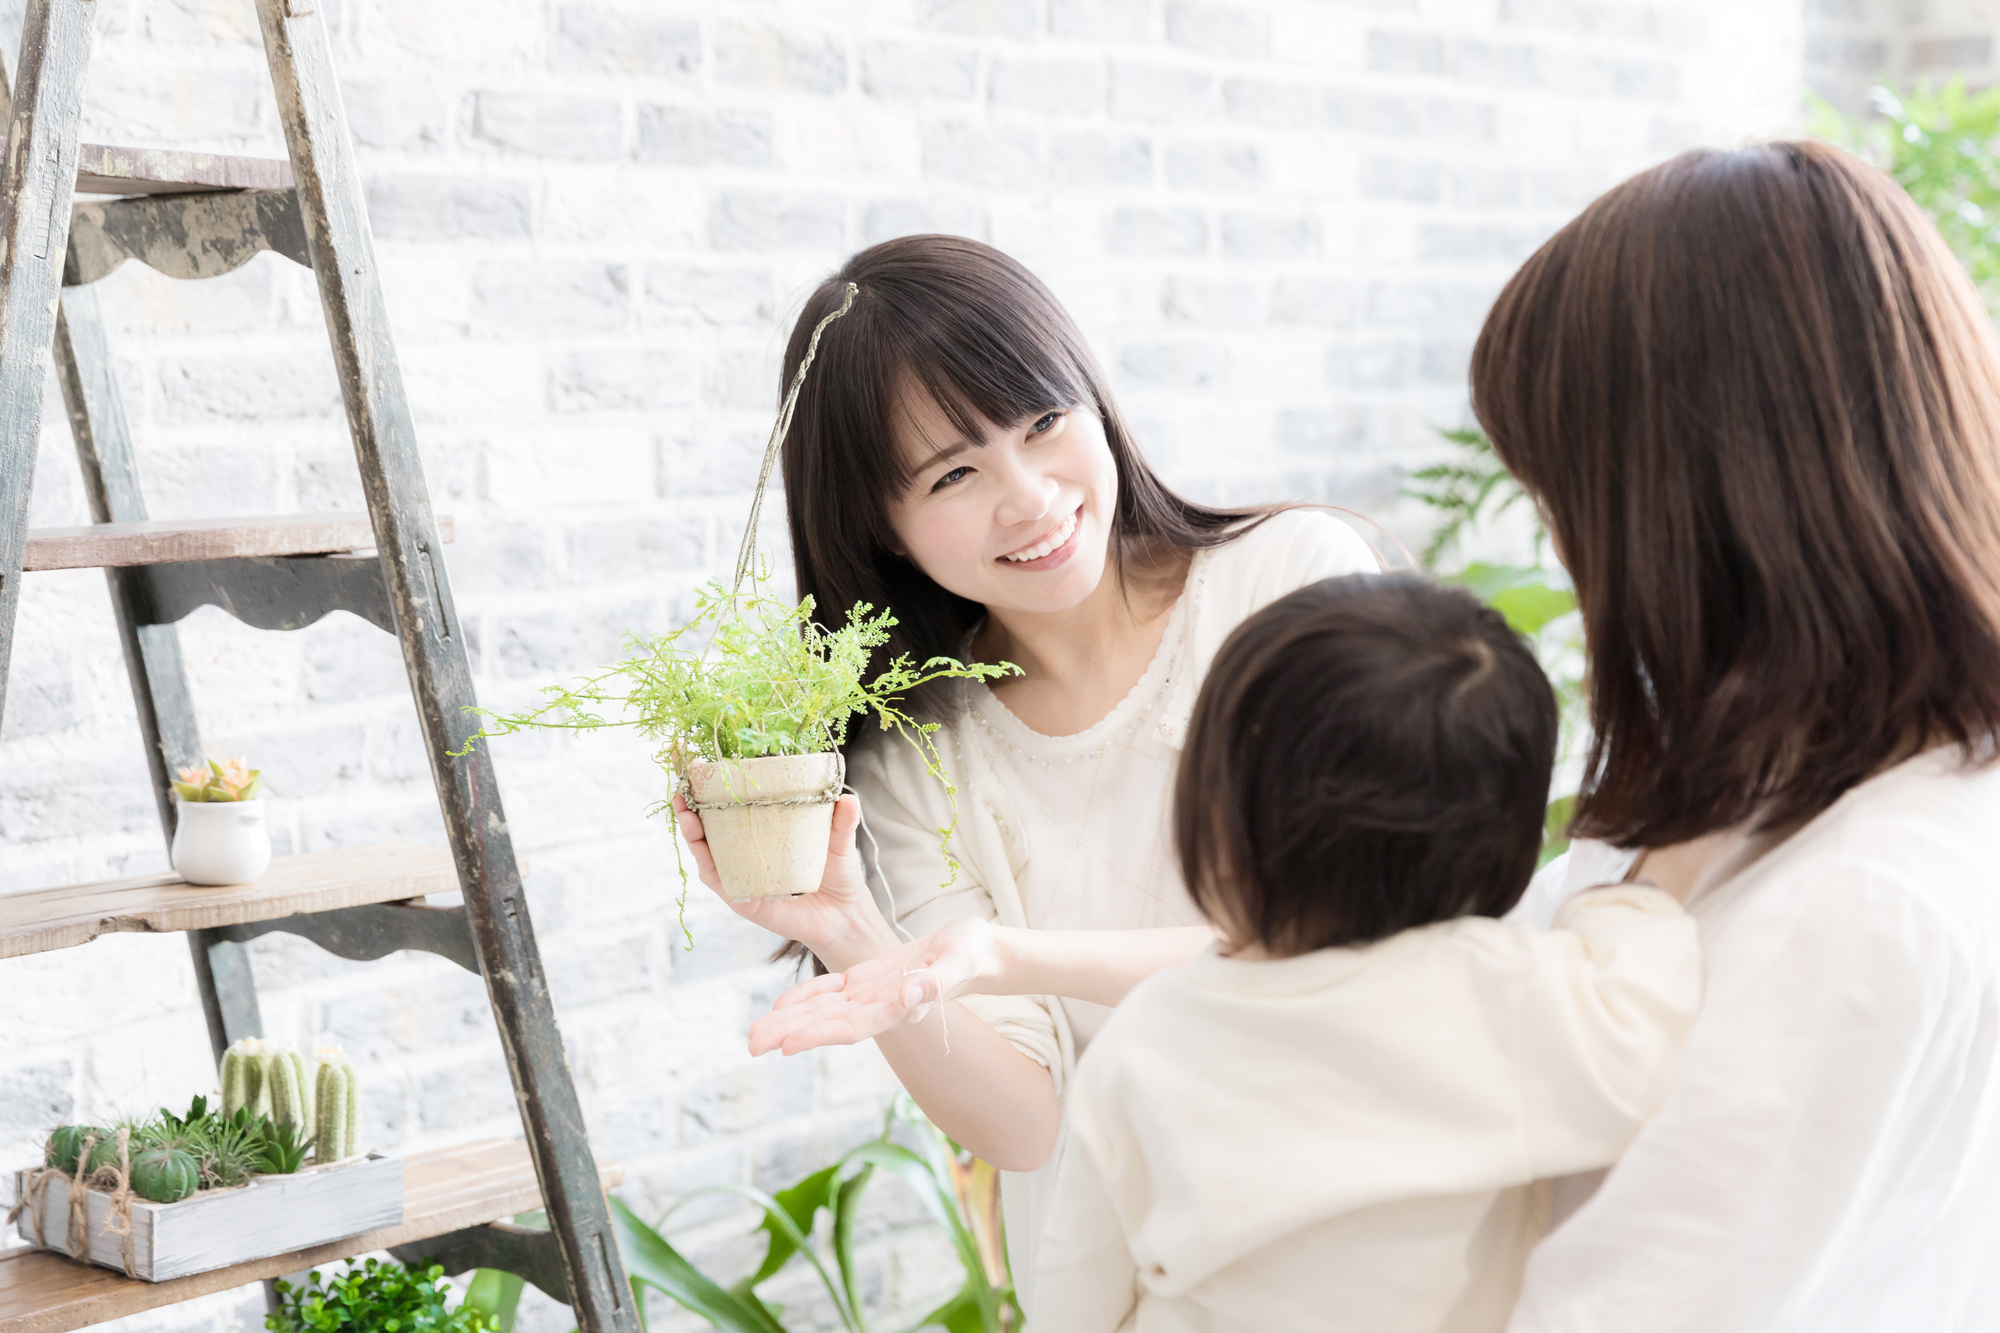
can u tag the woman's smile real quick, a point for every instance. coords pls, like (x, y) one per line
(1050, 550)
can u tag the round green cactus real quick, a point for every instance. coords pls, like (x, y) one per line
(66, 1144)
(165, 1175)
(104, 1157)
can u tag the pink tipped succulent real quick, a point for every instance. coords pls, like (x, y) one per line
(216, 781)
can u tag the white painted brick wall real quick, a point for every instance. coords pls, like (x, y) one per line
(1279, 221)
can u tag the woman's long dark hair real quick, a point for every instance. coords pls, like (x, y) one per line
(989, 343)
(1758, 401)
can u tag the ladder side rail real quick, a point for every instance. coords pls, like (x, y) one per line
(330, 198)
(160, 693)
(35, 195)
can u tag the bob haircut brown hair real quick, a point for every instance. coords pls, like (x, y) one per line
(1368, 754)
(988, 342)
(1758, 403)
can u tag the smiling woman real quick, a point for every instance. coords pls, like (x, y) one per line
(957, 456)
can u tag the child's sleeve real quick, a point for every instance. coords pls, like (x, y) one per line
(1612, 994)
(1086, 1280)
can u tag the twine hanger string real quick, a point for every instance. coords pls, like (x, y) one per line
(746, 554)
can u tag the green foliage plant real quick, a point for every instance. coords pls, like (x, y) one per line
(960, 1194)
(748, 676)
(375, 1297)
(1939, 144)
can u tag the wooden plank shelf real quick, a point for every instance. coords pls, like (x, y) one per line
(45, 1292)
(103, 169)
(172, 541)
(45, 919)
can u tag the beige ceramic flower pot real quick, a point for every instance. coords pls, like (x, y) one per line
(768, 821)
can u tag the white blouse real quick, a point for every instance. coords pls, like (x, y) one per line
(1072, 832)
(1829, 1160)
(1352, 1138)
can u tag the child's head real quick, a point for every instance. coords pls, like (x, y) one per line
(1369, 753)
(953, 345)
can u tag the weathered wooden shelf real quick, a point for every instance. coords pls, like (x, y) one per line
(43, 1292)
(45, 919)
(171, 541)
(102, 169)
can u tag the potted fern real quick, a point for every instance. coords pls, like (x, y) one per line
(749, 704)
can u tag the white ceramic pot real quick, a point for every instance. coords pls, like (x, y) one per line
(221, 842)
(768, 821)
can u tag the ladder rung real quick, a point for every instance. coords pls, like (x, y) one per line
(443, 1191)
(45, 919)
(102, 169)
(171, 541)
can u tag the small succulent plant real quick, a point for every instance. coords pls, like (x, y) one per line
(234, 780)
(284, 1149)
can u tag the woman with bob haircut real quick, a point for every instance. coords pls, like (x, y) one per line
(957, 457)
(1758, 403)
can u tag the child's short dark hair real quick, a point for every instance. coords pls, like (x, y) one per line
(1369, 753)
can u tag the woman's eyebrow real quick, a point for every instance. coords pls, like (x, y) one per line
(949, 451)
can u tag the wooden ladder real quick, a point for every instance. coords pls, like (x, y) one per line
(193, 216)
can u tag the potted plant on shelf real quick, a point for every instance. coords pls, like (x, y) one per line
(219, 833)
(169, 1195)
(749, 705)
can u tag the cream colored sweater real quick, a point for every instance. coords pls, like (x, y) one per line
(1071, 833)
(1349, 1139)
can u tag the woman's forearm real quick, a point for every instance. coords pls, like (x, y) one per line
(1100, 966)
(977, 1087)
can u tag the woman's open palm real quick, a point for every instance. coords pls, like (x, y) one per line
(898, 987)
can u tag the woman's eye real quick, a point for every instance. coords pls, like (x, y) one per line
(952, 478)
(1044, 422)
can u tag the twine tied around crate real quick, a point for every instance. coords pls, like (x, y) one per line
(76, 1240)
(746, 553)
(826, 795)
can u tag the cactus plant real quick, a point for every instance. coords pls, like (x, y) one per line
(243, 1078)
(289, 1089)
(165, 1175)
(66, 1144)
(337, 1129)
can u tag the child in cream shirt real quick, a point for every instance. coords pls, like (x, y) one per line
(1337, 1118)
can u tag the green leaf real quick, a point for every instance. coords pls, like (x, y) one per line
(652, 1262)
(799, 1203)
(187, 791)
(1526, 596)
(496, 1295)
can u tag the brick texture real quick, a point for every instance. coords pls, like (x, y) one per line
(1278, 221)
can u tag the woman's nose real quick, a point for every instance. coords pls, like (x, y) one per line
(1025, 495)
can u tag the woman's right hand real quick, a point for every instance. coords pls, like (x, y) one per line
(870, 998)
(840, 923)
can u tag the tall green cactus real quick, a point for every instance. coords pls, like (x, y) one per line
(243, 1077)
(289, 1089)
(337, 1129)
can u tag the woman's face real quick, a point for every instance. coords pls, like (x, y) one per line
(1018, 519)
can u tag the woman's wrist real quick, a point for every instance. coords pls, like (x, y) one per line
(859, 936)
